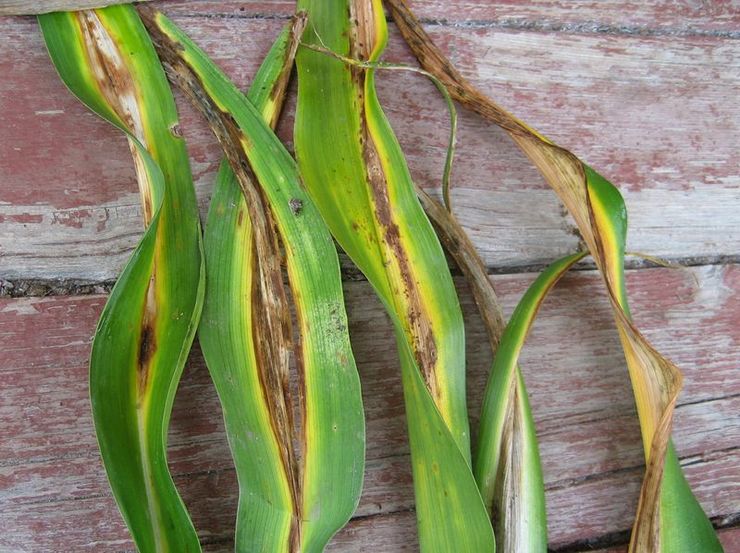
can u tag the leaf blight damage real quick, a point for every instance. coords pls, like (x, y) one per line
(106, 59)
(330, 432)
(599, 212)
(356, 174)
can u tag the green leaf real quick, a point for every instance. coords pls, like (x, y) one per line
(355, 172)
(300, 479)
(145, 332)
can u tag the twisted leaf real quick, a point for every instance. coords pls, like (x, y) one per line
(669, 519)
(300, 476)
(145, 332)
(506, 463)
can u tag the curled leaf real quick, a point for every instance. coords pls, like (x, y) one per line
(145, 331)
(669, 519)
(506, 462)
(300, 457)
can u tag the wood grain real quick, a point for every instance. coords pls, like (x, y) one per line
(51, 482)
(24, 7)
(585, 16)
(644, 91)
(656, 114)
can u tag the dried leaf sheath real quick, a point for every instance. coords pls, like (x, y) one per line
(506, 461)
(318, 489)
(669, 517)
(142, 341)
(355, 172)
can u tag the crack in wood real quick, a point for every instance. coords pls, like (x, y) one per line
(42, 287)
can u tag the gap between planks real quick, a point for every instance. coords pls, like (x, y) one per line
(52, 287)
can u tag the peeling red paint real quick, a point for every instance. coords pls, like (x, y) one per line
(73, 218)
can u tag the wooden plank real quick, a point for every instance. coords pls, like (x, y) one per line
(602, 16)
(52, 485)
(394, 533)
(729, 537)
(654, 113)
(24, 7)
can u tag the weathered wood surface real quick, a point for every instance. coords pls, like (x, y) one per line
(644, 91)
(654, 110)
(665, 16)
(52, 486)
(24, 7)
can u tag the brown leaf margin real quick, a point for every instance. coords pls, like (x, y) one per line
(654, 376)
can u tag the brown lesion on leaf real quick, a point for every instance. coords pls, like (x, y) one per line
(277, 93)
(296, 206)
(147, 347)
(362, 29)
(145, 188)
(176, 130)
(273, 335)
(147, 339)
(117, 86)
(108, 65)
(419, 328)
(409, 298)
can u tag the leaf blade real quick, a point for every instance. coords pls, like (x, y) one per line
(354, 169)
(148, 324)
(331, 471)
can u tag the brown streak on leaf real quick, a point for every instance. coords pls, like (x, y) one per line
(457, 243)
(433, 60)
(277, 93)
(112, 75)
(273, 334)
(506, 499)
(362, 29)
(116, 85)
(418, 327)
(566, 175)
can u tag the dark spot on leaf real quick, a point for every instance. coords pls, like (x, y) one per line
(296, 206)
(147, 347)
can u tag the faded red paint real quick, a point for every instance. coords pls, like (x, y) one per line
(581, 399)
(22, 218)
(73, 218)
